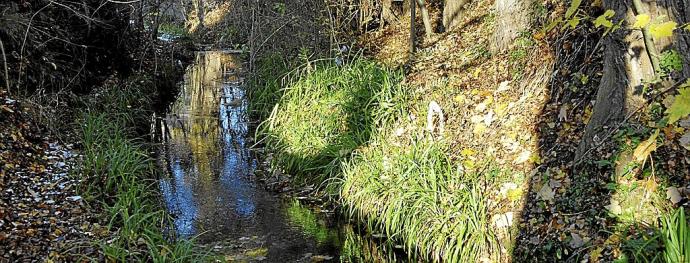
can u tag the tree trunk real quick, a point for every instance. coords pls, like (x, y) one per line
(513, 17)
(387, 15)
(200, 13)
(679, 11)
(452, 13)
(425, 18)
(626, 65)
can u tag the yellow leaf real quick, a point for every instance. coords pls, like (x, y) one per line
(501, 108)
(459, 99)
(642, 20)
(663, 29)
(468, 164)
(645, 148)
(479, 129)
(467, 152)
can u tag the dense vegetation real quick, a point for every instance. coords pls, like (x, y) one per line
(471, 131)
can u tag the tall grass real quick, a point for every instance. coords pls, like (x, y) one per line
(676, 236)
(336, 124)
(119, 175)
(413, 193)
(319, 115)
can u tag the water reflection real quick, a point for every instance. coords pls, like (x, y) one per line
(210, 190)
(205, 147)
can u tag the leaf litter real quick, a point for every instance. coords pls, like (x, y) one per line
(42, 218)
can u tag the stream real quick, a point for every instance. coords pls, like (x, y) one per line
(212, 192)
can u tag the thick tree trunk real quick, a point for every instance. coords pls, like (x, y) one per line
(513, 17)
(626, 65)
(452, 13)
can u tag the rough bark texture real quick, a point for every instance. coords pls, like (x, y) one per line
(627, 63)
(452, 13)
(679, 11)
(513, 17)
(609, 107)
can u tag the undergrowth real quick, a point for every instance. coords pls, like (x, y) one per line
(349, 128)
(120, 175)
(323, 113)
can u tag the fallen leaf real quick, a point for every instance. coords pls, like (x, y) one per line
(615, 207)
(546, 193)
(645, 148)
(685, 141)
(503, 220)
(673, 194)
(576, 241)
(523, 157)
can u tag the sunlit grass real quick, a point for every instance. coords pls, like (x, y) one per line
(414, 193)
(349, 126)
(323, 114)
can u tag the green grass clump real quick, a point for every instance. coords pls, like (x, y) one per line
(324, 113)
(119, 174)
(336, 124)
(413, 193)
(676, 236)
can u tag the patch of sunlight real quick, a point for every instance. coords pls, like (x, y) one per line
(211, 18)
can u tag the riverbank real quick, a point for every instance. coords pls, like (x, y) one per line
(466, 152)
(88, 194)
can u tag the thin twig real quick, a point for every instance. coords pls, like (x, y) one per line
(4, 60)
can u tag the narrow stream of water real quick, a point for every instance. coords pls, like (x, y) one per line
(211, 189)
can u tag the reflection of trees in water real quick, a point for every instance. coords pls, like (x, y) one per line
(195, 126)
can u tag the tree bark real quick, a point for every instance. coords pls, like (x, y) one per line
(679, 11)
(425, 18)
(513, 17)
(452, 13)
(200, 13)
(626, 66)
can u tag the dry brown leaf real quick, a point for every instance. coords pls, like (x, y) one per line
(645, 148)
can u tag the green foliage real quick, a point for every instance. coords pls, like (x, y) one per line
(324, 113)
(279, 7)
(415, 194)
(172, 29)
(676, 236)
(574, 6)
(605, 19)
(670, 61)
(116, 169)
(681, 105)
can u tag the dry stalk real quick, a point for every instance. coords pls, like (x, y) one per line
(4, 60)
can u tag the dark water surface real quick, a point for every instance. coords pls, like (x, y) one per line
(211, 189)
